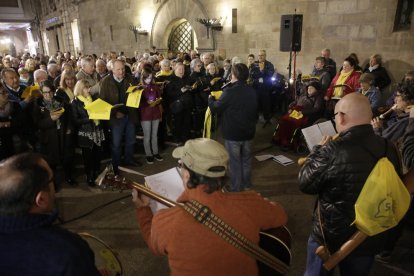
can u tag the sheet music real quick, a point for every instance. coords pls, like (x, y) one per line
(313, 134)
(283, 160)
(168, 184)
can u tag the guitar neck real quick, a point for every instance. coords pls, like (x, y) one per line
(153, 195)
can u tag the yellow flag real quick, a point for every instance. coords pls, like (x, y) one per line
(99, 110)
(32, 90)
(216, 94)
(134, 98)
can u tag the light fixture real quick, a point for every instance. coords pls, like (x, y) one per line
(138, 30)
(211, 23)
(5, 40)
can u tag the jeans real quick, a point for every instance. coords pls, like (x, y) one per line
(351, 265)
(240, 164)
(150, 129)
(119, 127)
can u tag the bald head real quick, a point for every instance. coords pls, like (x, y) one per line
(352, 110)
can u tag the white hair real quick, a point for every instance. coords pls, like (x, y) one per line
(165, 62)
(37, 73)
(85, 61)
(236, 60)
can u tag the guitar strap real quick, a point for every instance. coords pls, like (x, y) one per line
(203, 215)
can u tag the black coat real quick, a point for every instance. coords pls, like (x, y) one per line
(337, 173)
(238, 107)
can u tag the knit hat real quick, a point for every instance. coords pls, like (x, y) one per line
(203, 156)
(315, 84)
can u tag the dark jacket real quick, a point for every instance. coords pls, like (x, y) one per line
(262, 79)
(238, 107)
(83, 124)
(336, 173)
(31, 245)
(109, 93)
(382, 79)
(173, 91)
(408, 145)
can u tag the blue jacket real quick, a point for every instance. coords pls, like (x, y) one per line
(31, 245)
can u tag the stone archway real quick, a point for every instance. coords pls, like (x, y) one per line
(169, 12)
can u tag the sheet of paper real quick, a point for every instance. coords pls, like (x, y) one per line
(313, 134)
(134, 98)
(99, 110)
(283, 160)
(168, 184)
(263, 157)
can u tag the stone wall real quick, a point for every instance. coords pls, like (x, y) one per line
(361, 26)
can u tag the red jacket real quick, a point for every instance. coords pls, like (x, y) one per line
(193, 249)
(352, 81)
(148, 113)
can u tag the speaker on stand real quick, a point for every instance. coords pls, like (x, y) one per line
(291, 41)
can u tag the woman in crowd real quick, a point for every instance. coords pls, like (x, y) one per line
(50, 118)
(90, 134)
(368, 89)
(302, 112)
(346, 81)
(30, 66)
(150, 115)
(394, 131)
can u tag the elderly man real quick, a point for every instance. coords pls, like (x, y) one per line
(52, 72)
(336, 171)
(123, 119)
(192, 248)
(87, 72)
(261, 75)
(101, 69)
(382, 80)
(330, 64)
(27, 213)
(11, 82)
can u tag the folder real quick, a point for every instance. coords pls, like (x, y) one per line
(99, 110)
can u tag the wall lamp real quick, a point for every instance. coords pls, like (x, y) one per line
(211, 23)
(138, 30)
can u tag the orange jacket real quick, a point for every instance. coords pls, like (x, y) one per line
(193, 249)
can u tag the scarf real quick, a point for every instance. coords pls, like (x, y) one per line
(69, 93)
(86, 101)
(341, 80)
(163, 73)
(372, 68)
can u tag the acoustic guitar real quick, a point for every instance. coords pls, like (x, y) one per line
(275, 241)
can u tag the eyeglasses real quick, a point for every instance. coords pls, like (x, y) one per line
(47, 92)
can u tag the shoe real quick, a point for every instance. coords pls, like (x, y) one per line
(158, 157)
(149, 159)
(383, 257)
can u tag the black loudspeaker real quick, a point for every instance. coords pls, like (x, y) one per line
(291, 32)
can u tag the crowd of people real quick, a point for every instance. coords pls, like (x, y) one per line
(42, 109)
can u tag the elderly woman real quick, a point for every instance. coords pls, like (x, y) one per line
(394, 131)
(50, 118)
(90, 134)
(346, 81)
(302, 112)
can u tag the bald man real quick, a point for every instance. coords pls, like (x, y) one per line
(336, 171)
(30, 244)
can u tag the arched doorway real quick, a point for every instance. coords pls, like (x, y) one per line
(172, 13)
(182, 37)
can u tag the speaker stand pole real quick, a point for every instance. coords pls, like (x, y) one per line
(292, 93)
(294, 75)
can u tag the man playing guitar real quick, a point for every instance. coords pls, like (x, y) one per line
(194, 249)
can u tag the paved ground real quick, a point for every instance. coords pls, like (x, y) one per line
(110, 215)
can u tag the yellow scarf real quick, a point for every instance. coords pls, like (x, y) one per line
(338, 92)
(69, 92)
(208, 117)
(86, 101)
(163, 73)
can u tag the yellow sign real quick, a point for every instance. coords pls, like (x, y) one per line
(99, 110)
(134, 98)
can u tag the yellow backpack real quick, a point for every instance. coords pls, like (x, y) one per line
(383, 201)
